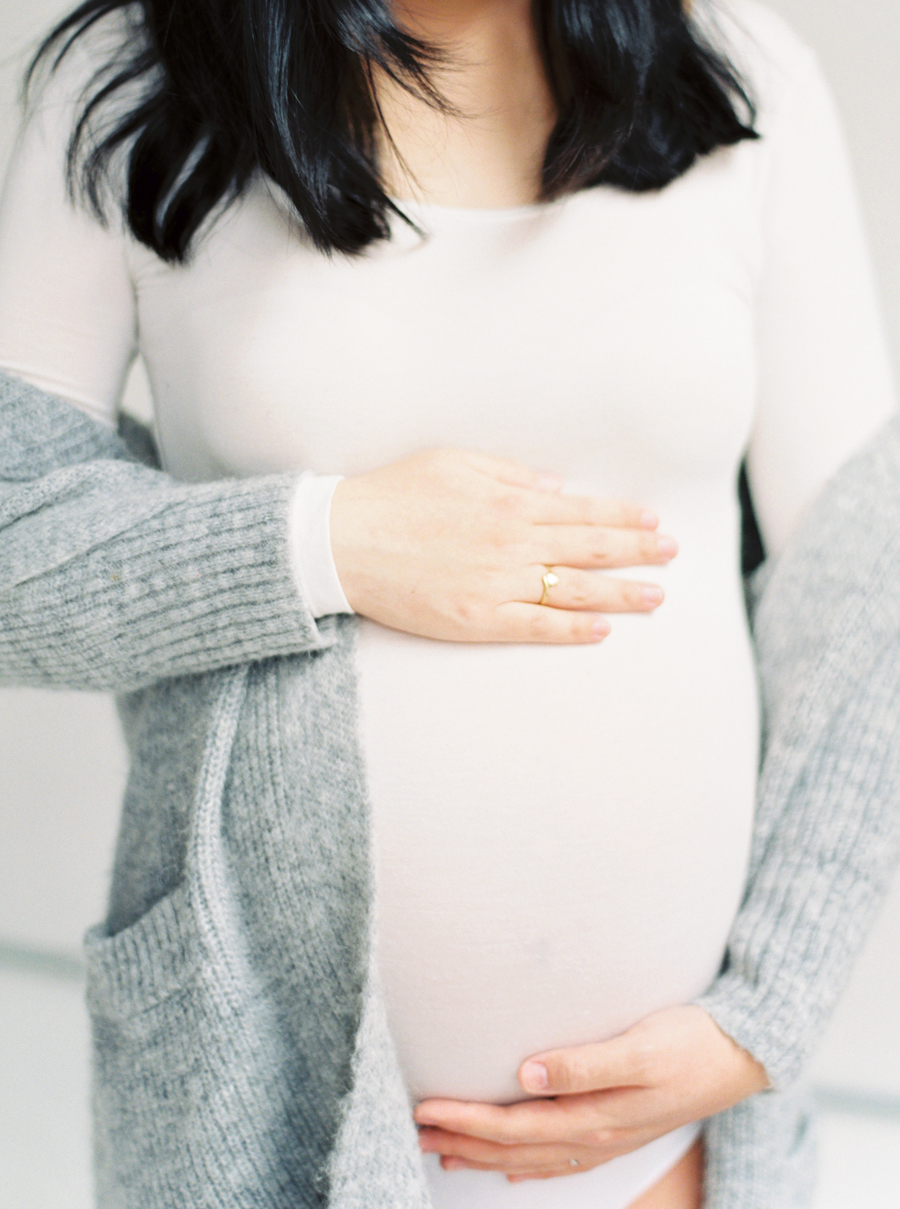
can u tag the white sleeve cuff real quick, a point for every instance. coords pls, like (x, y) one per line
(310, 536)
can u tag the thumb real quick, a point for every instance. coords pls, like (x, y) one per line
(582, 1068)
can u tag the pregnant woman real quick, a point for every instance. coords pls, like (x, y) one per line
(425, 297)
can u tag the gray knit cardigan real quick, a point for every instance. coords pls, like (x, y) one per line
(241, 1054)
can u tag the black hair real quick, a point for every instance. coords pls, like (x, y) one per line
(229, 88)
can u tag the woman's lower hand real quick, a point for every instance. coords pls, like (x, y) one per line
(601, 1101)
(454, 545)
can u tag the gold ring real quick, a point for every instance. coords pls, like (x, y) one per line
(549, 580)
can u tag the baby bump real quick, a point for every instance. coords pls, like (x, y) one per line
(560, 836)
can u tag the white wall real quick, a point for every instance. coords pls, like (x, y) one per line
(859, 45)
(61, 759)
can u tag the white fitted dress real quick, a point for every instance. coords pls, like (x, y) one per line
(560, 833)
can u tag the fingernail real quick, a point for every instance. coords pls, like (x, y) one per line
(600, 629)
(547, 482)
(534, 1076)
(667, 546)
(649, 520)
(652, 595)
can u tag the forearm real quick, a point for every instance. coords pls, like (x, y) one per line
(827, 634)
(113, 575)
(813, 897)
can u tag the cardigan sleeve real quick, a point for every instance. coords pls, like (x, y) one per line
(69, 315)
(827, 833)
(815, 892)
(114, 575)
(826, 625)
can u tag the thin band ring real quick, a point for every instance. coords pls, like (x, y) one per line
(549, 580)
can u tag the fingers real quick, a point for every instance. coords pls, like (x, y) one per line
(517, 622)
(560, 509)
(621, 1062)
(572, 1119)
(588, 590)
(679, 1054)
(547, 1175)
(551, 507)
(598, 548)
(458, 1150)
(574, 608)
(450, 545)
(517, 1175)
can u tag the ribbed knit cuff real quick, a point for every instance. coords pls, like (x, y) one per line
(823, 873)
(114, 574)
(202, 579)
(740, 1011)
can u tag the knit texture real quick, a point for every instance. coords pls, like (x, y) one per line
(113, 575)
(242, 1056)
(827, 637)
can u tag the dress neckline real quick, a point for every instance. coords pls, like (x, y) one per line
(475, 213)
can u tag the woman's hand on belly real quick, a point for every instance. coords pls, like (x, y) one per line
(671, 1068)
(454, 545)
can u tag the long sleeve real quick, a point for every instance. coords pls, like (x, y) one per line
(310, 528)
(826, 631)
(827, 835)
(113, 575)
(818, 883)
(68, 318)
(824, 376)
(68, 314)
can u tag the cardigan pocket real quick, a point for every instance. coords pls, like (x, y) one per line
(189, 1110)
(192, 1108)
(190, 1105)
(190, 929)
(140, 967)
